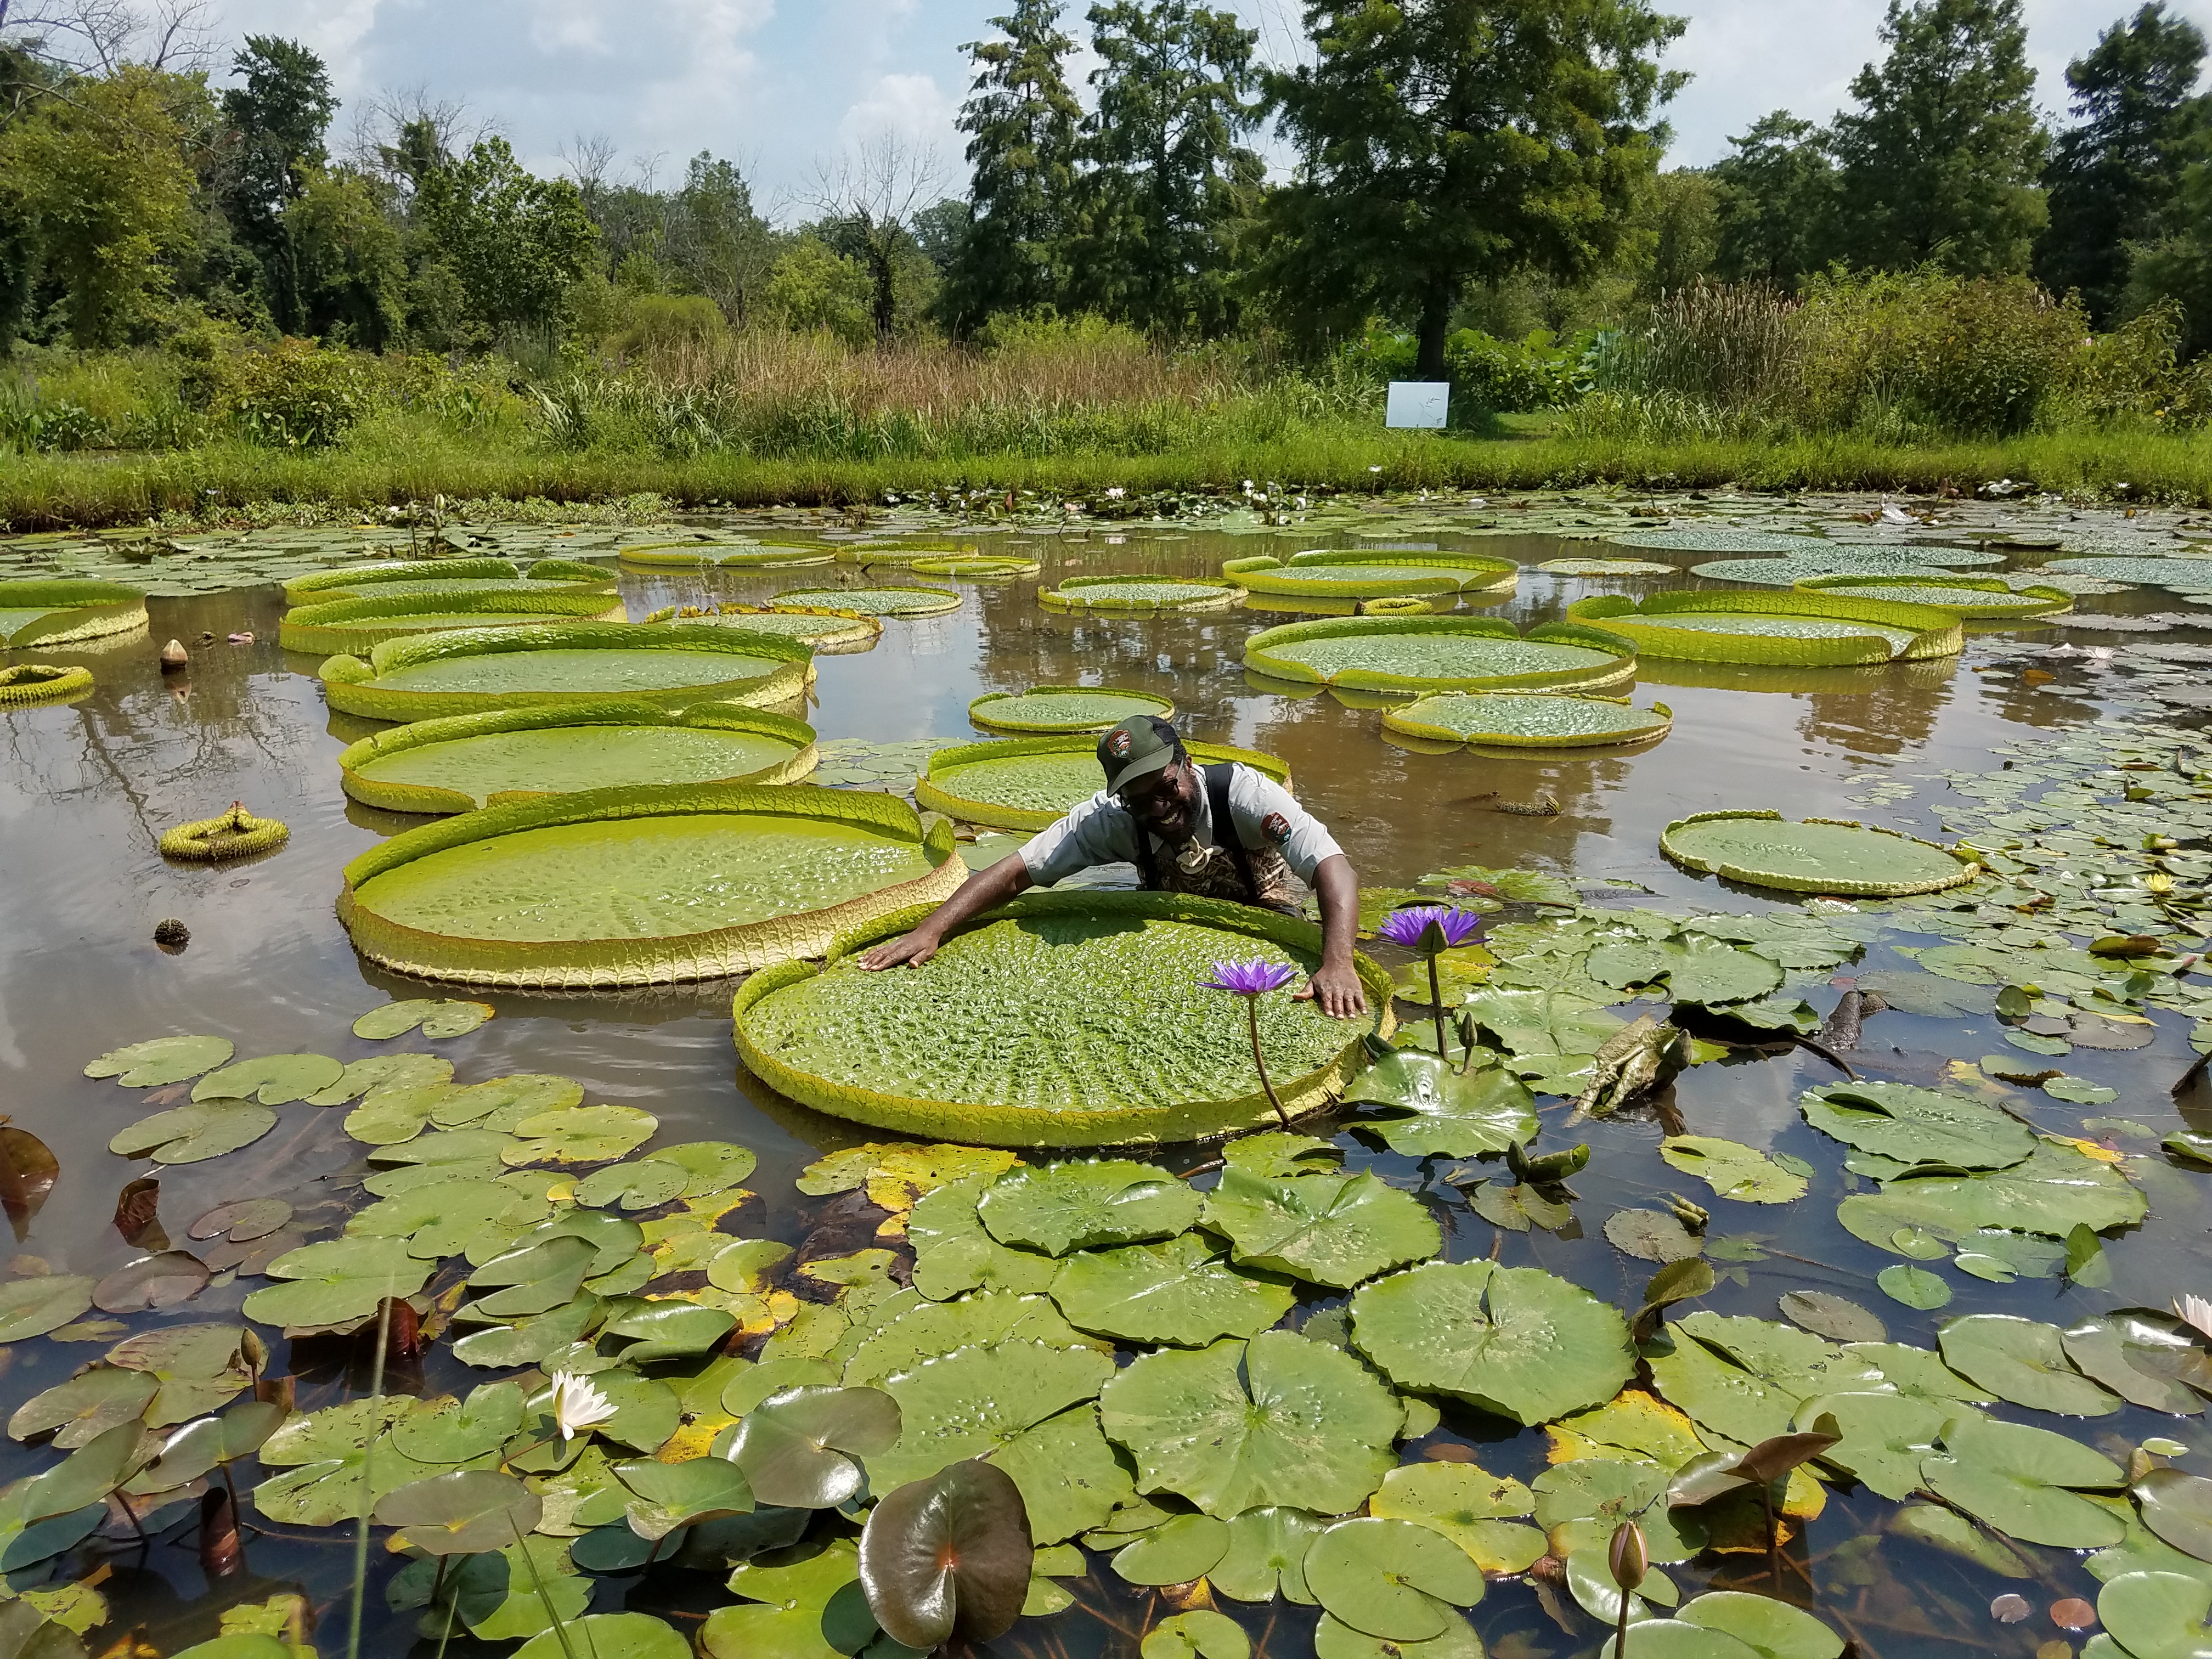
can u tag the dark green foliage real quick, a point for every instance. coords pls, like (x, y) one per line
(277, 121)
(347, 258)
(1777, 200)
(513, 243)
(1939, 161)
(1458, 142)
(2110, 178)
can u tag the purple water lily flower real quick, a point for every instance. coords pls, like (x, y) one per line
(1249, 979)
(1412, 927)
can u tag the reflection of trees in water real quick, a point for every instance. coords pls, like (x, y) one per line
(1881, 710)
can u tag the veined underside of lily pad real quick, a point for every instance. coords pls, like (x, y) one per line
(62, 612)
(483, 760)
(1818, 855)
(352, 626)
(1408, 655)
(1062, 1019)
(1027, 783)
(642, 886)
(476, 670)
(1798, 627)
(1529, 720)
(1346, 573)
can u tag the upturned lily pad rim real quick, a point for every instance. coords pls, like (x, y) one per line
(937, 599)
(2037, 601)
(74, 610)
(975, 566)
(350, 684)
(361, 581)
(1938, 633)
(343, 627)
(861, 631)
(932, 788)
(980, 711)
(1408, 722)
(714, 954)
(1457, 573)
(1072, 595)
(1260, 654)
(1670, 844)
(1113, 1126)
(459, 728)
(733, 554)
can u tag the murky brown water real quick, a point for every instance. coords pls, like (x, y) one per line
(85, 790)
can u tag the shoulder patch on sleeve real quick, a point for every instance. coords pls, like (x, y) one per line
(1276, 827)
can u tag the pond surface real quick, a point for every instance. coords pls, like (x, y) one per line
(86, 790)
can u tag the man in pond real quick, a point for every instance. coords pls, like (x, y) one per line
(1164, 813)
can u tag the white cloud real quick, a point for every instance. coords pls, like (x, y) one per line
(910, 107)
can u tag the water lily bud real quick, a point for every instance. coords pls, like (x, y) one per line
(172, 654)
(1694, 1216)
(1628, 1558)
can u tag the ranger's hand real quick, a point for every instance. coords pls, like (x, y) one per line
(1337, 989)
(910, 951)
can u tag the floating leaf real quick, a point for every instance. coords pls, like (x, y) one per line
(88, 1405)
(436, 1018)
(85, 1476)
(160, 1060)
(1081, 1206)
(672, 1495)
(336, 1280)
(1732, 1169)
(609, 1635)
(273, 1079)
(2157, 1615)
(453, 1431)
(1442, 1112)
(1913, 1126)
(666, 1330)
(1651, 1235)
(1770, 1628)
(1179, 1550)
(1203, 1634)
(1267, 1553)
(1180, 1293)
(1477, 1511)
(971, 1402)
(581, 1134)
(931, 1328)
(460, 1513)
(1239, 1426)
(32, 1307)
(1391, 1579)
(1334, 1640)
(2022, 1361)
(192, 1134)
(1514, 1341)
(2056, 1189)
(2147, 1357)
(1071, 1480)
(250, 1219)
(198, 1367)
(383, 1072)
(640, 1185)
(1915, 1287)
(1831, 1316)
(2020, 1480)
(1694, 968)
(1816, 856)
(160, 1280)
(1885, 1436)
(799, 1447)
(1333, 1229)
(947, 1557)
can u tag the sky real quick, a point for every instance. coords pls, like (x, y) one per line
(783, 87)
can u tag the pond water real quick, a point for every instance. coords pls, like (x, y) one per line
(87, 788)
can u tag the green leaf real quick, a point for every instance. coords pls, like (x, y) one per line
(1651, 1235)
(666, 1330)
(2020, 1480)
(437, 1019)
(948, 1557)
(1267, 1554)
(273, 1079)
(1179, 1550)
(495, 1593)
(2022, 1361)
(160, 1060)
(1831, 1316)
(1331, 1229)
(85, 1476)
(1071, 1480)
(1915, 1287)
(1081, 1206)
(639, 1186)
(192, 1134)
(1439, 1112)
(2147, 1357)
(1580, 1503)
(931, 1328)
(1279, 1152)
(1696, 969)
(88, 1405)
(609, 1636)
(953, 1253)
(2158, 1616)
(1514, 1341)
(460, 1513)
(1478, 1511)
(672, 1495)
(800, 1448)
(340, 1279)
(1885, 1436)
(1203, 1634)
(1240, 1425)
(1334, 1640)
(708, 1166)
(2086, 1264)
(198, 1366)
(973, 1401)
(1913, 1126)
(437, 1220)
(1391, 1579)
(2055, 1189)
(2080, 1090)
(1178, 1292)
(32, 1307)
(1733, 1169)
(328, 1474)
(580, 1134)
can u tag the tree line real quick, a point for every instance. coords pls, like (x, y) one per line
(1452, 163)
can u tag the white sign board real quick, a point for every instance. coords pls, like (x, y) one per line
(1418, 403)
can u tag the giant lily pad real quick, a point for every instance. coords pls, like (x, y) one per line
(2026, 1482)
(1059, 1207)
(887, 601)
(1335, 1230)
(47, 612)
(1913, 1125)
(1136, 593)
(1984, 599)
(1407, 654)
(1372, 573)
(1027, 783)
(459, 764)
(190, 1134)
(1240, 1425)
(1435, 1109)
(640, 885)
(160, 1060)
(1819, 855)
(474, 671)
(1180, 1293)
(1513, 1340)
(1800, 629)
(1527, 720)
(1062, 1020)
(1052, 709)
(359, 625)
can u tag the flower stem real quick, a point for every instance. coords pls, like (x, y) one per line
(1436, 1007)
(368, 1484)
(538, 1579)
(1252, 1020)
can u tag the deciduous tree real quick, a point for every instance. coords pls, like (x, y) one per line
(515, 242)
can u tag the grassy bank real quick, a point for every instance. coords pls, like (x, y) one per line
(93, 488)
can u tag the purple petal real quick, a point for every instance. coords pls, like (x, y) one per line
(1249, 979)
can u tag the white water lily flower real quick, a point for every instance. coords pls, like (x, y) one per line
(2195, 1312)
(578, 1407)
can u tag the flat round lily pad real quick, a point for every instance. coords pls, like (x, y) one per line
(829, 632)
(2189, 573)
(1816, 855)
(1086, 1205)
(190, 1134)
(894, 601)
(640, 887)
(707, 555)
(1529, 720)
(1137, 593)
(1987, 600)
(1718, 538)
(1027, 783)
(1049, 709)
(1394, 1579)
(474, 671)
(160, 1061)
(1439, 653)
(1011, 1036)
(2024, 1361)
(457, 765)
(1605, 567)
(2026, 1482)
(1799, 629)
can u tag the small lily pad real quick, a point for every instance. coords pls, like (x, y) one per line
(1391, 1579)
(160, 1060)
(32, 1307)
(1915, 1287)
(434, 1018)
(194, 1133)
(1333, 1230)
(1479, 1512)
(800, 1448)
(1267, 1554)
(160, 1280)
(1201, 1634)
(580, 1134)
(1832, 1316)
(1180, 1293)
(336, 1280)
(1733, 1169)
(272, 1079)
(463, 1512)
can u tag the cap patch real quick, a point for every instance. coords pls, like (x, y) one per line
(1117, 744)
(1278, 828)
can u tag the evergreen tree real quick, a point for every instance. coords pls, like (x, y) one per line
(277, 121)
(1449, 141)
(1169, 180)
(1939, 162)
(1776, 202)
(2110, 178)
(1021, 118)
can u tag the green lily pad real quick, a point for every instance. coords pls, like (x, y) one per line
(328, 1473)
(1928, 995)
(1762, 849)
(1334, 1640)
(1437, 1112)
(1478, 1511)
(198, 1367)
(1266, 1555)
(535, 1278)
(1514, 1341)
(933, 1328)
(384, 1071)
(580, 1134)
(85, 1476)
(1060, 1207)
(948, 1557)
(1071, 1480)
(160, 1060)
(192, 1135)
(2023, 1482)
(2157, 1615)
(1765, 1625)
(457, 1432)
(2023, 1361)
(1915, 1287)
(1391, 1579)
(495, 1594)
(342, 1279)
(1914, 1125)
(161, 1279)
(2177, 1507)
(609, 1635)
(1242, 1425)
(437, 1220)
(1580, 1503)
(1335, 1230)
(640, 1185)
(1179, 1550)
(672, 1495)
(800, 1448)
(462, 1512)
(972, 1401)
(88, 1405)
(273, 1079)
(1651, 1235)
(32, 1307)
(1733, 1169)
(1694, 969)
(1180, 1293)
(2148, 1358)
(666, 1330)
(1744, 1379)
(1832, 1316)
(953, 1253)
(434, 1018)
(1279, 1152)
(2054, 1189)
(1202, 1634)
(1885, 1437)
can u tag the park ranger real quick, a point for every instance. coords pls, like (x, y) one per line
(1223, 831)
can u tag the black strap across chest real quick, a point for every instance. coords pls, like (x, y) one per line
(1216, 779)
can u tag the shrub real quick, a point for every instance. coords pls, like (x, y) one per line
(1502, 376)
(296, 395)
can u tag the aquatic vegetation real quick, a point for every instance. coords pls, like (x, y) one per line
(640, 887)
(396, 577)
(1026, 783)
(707, 554)
(1971, 598)
(1529, 720)
(1801, 627)
(1839, 559)
(2184, 573)
(48, 611)
(1251, 980)
(464, 761)
(976, 567)
(1012, 1035)
(870, 601)
(236, 834)
(1413, 654)
(830, 633)
(1353, 575)
(1605, 567)
(27, 683)
(476, 671)
(355, 627)
(1818, 855)
(1137, 593)
(1054, 709)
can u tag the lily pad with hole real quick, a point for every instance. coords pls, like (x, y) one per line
(192, 1135)
(1333, 1230)
(1482, 1513)
(1518, 1341)
(160, 1060)
(338, 1279)
(1391, 1579)
(1431, 1108)
(1732, 1169)
(2026, 1482)
(1242, 1425)
(1816, 855)
(1181, 1293)
(1913, 1125)
(1083, 1205)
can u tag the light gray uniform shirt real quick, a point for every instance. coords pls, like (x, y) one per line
(1102, 831)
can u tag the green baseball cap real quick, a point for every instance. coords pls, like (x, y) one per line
(1141, 745)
